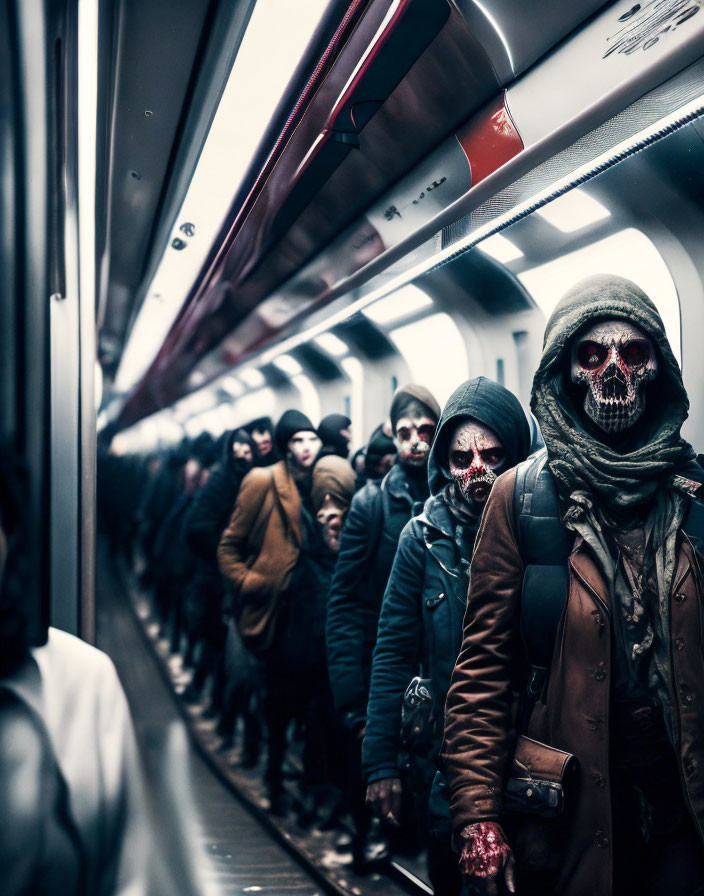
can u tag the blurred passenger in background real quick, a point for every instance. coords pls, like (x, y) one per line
(258, 554)
(205, 521)
(335, 433)
(482, 432)
(378, 513)
(265, 451)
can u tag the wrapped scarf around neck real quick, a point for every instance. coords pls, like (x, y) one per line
(581, 463)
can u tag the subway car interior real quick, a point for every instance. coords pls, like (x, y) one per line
(219, 212)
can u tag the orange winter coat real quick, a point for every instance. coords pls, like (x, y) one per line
(260, 547)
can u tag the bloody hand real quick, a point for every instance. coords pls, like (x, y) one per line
(384, 799)
(486, 862)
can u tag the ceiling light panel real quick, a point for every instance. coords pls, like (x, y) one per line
(251, 377)
(330, 343)
(255, 86)
(401, 303)
(573, 211)
(500, 248)
(287, 364)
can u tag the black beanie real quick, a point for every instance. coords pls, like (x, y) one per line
(290, 423)
(260, 424)
(329, 432)
(409, 395)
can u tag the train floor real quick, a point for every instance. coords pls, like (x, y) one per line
(211, 833)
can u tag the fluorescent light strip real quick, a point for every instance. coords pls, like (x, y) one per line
(622, 150)
(255, 85)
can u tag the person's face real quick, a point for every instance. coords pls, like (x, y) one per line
(413, 437)
(476, 458)
(242, 451)
(304, 447)
(331, 517)
(262, 439)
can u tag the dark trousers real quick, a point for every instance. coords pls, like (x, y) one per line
(443, 868)
(657, 850)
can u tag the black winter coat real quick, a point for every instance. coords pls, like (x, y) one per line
(378, 513)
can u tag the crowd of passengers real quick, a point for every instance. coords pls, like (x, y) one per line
(268, 555)
(334, 604)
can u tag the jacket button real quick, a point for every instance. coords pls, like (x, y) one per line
(679, 643)
(686, 696)
(680, 596)
(601, 840)
(600, 673)
(690, 766)
(599, 780)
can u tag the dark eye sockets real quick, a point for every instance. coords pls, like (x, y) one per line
(461, 459)
(426, 430)
(591, 355)
(635, 353)
(404, 434)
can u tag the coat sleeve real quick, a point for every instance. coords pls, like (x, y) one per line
(345, 630)
(234, 547)
(477, 715)
(395, 657)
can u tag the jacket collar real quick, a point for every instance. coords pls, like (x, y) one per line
(588, 572)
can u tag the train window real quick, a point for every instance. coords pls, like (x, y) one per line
(628, 253)
(423, 342)
(500, 375)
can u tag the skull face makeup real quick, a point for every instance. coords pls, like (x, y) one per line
(614, 360)
(414, 435)
(476, 458)
(331, 517)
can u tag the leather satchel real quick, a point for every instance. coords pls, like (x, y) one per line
(538, 779)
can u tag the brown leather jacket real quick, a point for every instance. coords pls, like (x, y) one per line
(575, 716)
(259, 549)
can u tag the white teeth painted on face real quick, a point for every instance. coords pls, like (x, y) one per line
(614, 360)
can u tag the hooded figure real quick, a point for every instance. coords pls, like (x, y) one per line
(334, 432)
(425, 598)
(584, 599)
(380, 455)
(261, 431)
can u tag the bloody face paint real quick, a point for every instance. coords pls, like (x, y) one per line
(303, 448)
(331, 517)
(614, 360)
(476, 458)
(414, 436)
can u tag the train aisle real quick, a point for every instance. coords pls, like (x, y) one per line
(207, 842)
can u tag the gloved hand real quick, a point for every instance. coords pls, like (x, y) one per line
(384, 799)
(486, 863)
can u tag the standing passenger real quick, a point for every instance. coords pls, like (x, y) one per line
(586, 599)
(482, 432)
(378, 513)
(265, 453)
(258, 554)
